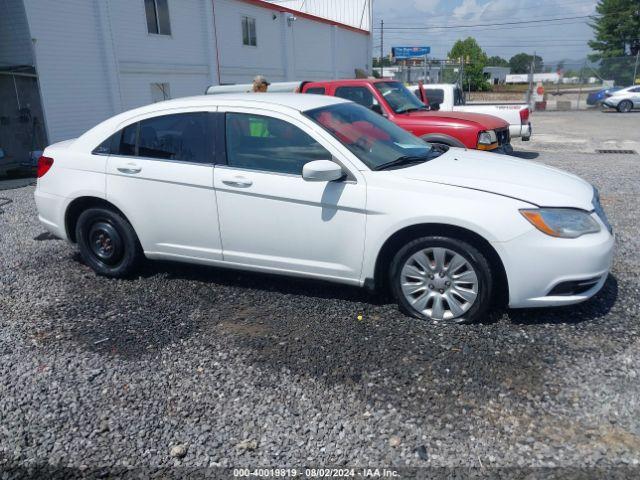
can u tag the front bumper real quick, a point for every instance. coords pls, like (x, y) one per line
(524, 131)
(539, 266)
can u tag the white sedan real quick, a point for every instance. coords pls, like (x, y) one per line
(315, 186)
(624, 100)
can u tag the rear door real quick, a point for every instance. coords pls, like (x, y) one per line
(270, 217)
(160, 175)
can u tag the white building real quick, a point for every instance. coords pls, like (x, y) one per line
(537, 77)
(73, 63)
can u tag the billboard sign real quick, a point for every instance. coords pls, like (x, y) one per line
(403, 53)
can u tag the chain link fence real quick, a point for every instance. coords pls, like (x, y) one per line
(563, 85)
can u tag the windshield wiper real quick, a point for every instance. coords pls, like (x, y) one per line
(411, 109)
(403, 161)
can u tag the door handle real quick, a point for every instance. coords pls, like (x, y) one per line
(240, 182)
(130, 169)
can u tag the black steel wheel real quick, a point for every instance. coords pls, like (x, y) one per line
(107, 242)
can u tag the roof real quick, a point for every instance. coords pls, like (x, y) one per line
(352, 81)
(279, 8)
(296, 101)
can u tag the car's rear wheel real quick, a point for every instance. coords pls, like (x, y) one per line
(107, 242)
(442, 278)
(625, 106)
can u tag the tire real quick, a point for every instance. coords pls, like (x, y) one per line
(625, 106)
(108, 243)
(455, 288)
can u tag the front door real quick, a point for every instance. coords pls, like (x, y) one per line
(270, 217)
(160, 173)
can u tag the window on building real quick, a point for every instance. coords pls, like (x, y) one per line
(249, 31)
(157, 17)
(268, 144)
(160, 92)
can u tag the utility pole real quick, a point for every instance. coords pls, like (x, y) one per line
(381, 48)
(635, 69)
(584, 65)
(532, 68)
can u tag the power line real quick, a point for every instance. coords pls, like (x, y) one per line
(489, 24)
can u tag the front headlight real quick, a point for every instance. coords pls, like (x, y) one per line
(561, 222)
(487, 138)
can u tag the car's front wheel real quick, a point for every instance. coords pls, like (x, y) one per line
(625, 106)
(442, 278)
(107, 242)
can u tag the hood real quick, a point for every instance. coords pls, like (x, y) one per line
(485, 122)
(524, 180)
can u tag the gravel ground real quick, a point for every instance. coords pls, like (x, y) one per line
(247, 370)
(583, 131)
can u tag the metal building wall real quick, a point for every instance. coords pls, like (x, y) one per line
(357, 13)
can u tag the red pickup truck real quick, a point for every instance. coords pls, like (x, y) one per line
(394, 101)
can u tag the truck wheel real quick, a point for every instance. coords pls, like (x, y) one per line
(443, 279)
(107, 242)
(625, 106)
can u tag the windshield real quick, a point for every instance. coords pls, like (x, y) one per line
(373, 139)
(399, 98)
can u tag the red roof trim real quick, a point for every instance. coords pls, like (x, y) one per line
(280, 8)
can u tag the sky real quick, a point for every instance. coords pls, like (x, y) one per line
(552, 40)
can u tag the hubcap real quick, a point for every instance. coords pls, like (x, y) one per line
(105, 242)
(440, 283)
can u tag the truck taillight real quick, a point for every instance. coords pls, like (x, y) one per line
(524, 115)
(44, 164)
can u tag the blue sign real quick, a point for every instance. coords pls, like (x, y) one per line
(402, 53)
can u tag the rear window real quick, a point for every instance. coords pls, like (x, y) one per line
(361, 95)
(316, 90)
(434, 95)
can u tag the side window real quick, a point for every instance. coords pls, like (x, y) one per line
(157, 12)
(315, 90)
(264, 143)
(434, 95)
(361, 95)
(109, 146)
(182, 136)
(128, 140)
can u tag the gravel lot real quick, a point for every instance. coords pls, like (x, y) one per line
(247, 370)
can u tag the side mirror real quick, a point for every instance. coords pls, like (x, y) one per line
(322, 171)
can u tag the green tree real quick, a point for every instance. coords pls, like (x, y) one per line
(617, 38)
(469, 52)
(521, 63)
(497, 61)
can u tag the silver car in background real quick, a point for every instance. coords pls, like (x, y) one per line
(624, 100)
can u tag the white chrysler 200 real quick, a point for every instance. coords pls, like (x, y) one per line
(315, 186)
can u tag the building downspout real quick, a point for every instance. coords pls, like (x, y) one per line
(215, 41)
(113, 69)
